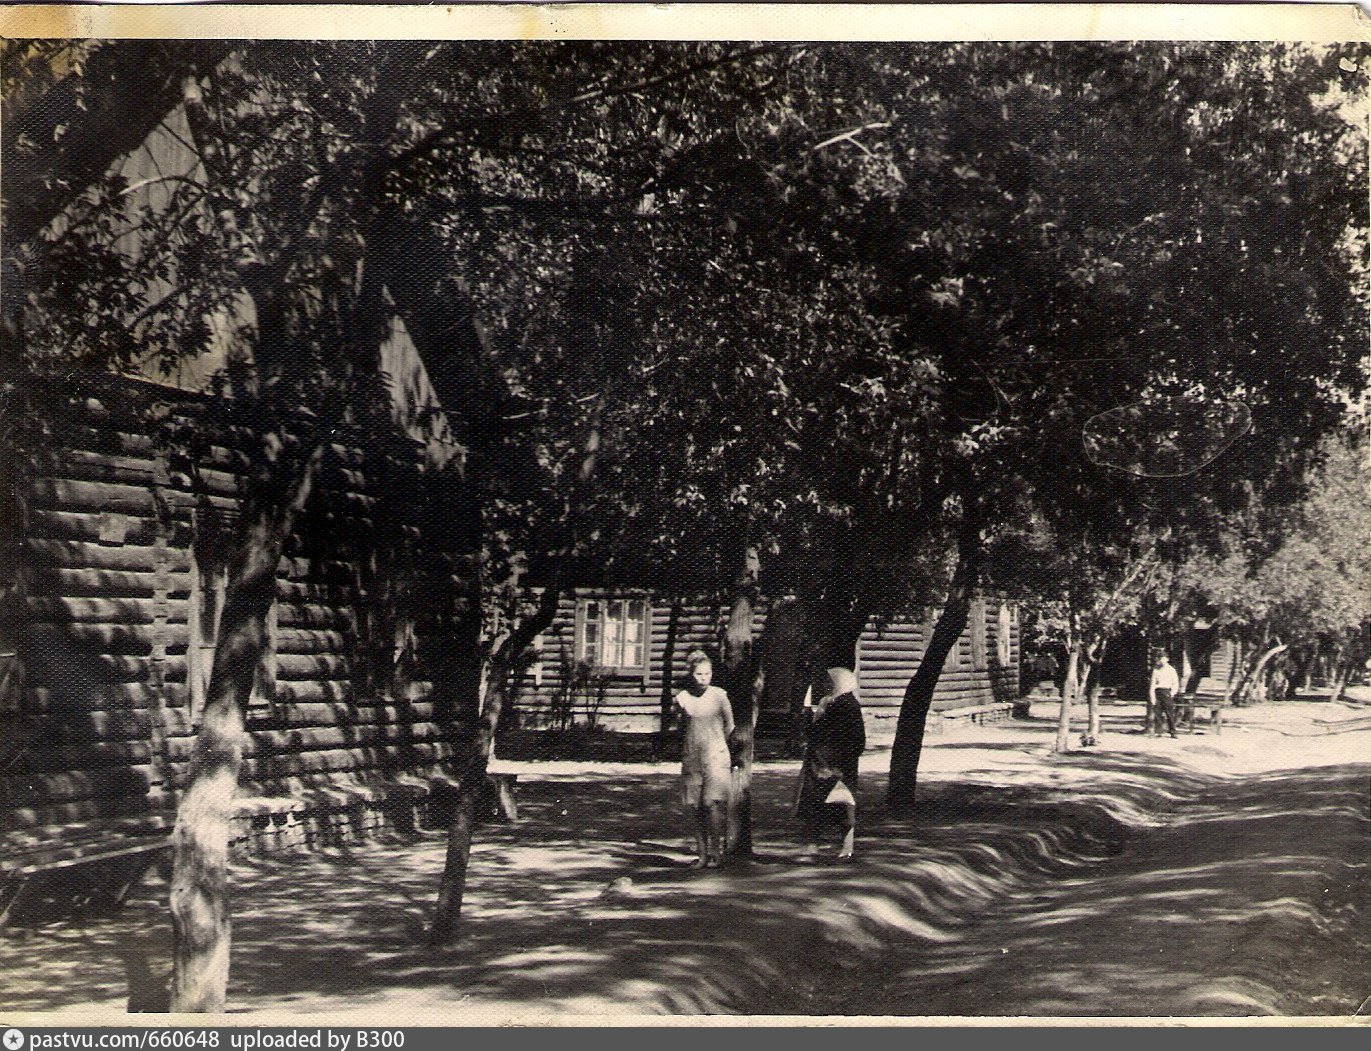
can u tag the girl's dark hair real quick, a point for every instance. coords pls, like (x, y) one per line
(697, 657)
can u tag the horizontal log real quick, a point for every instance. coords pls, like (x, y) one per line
(208, 481)
(293, 666)
(308, 691)
(98, 673)
(67, 494)
(154, 801)
(34, 789)
(86, 728)
(131, 639)
(316, 738)
(61, 610)
(96, 466)
(297, 764)
(338, 501)
(341, 714)
(301, 568)
(78, 554)
(74, 702)
(87, 525)
(312, 616)
(300, 641)
(296, 592)
(47, 758)
(100, 583)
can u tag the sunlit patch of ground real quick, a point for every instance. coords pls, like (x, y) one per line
(1213, 875)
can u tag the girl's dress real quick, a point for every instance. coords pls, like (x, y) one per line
(705, 763)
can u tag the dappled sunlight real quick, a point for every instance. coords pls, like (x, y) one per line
(1091, 883)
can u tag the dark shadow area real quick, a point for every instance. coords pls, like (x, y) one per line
(1136, 887)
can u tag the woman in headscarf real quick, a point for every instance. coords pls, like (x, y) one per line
(828, 778)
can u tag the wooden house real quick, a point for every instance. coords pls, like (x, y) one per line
(111, 597)
(111, 591)
(611, 661)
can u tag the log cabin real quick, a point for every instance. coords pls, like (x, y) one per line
(611, 660)
(111, 592)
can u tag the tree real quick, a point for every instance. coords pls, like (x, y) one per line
(1291, 572)
(1054, 231)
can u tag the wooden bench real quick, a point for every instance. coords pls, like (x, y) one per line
(78, 868)
(981, 713)
(1186, 704)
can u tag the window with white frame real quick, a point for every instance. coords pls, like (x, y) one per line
(612, 633)
(1004, 634)
(978, 662)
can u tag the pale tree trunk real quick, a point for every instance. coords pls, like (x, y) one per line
(1253, 663)
(918, 695)
(1091, 678)
(1343, 667)
(1255, 680)
(201, 923)
(742, 675)
(1070, 686)
(1187, 666)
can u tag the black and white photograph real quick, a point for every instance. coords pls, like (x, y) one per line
(577, 523)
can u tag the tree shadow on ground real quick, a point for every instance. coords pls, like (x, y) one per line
(1130, 885)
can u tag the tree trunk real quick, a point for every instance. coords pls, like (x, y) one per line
(741, 673)
(200, 917)
(918, 695)
(1187, 669)
(493, 687)
(472, 780)
(1069, 692)
(1091, 679)
(1343, 665)
(1255, 662)
(673, 625)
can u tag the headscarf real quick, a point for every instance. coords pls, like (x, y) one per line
(843, 681)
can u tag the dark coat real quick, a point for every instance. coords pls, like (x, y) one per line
(837, 739)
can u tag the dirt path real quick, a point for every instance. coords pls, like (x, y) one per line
(1211, 875)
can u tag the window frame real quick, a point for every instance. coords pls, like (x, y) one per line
(602, 600)
(1004, 634)
(979, 656)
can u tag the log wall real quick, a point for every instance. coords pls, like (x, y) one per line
(103, 726)
(888, 656)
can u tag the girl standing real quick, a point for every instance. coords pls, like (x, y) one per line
(705, 762)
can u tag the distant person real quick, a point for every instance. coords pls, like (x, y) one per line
(1048, 669)
(828, 778)
(706, 767)
(1162, 693)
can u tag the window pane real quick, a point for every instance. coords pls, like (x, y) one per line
(633, 634)
(613, 645)
(590, 639)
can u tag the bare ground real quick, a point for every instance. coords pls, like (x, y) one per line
(1215, 875)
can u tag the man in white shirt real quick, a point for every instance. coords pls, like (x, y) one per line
(1163, 690)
